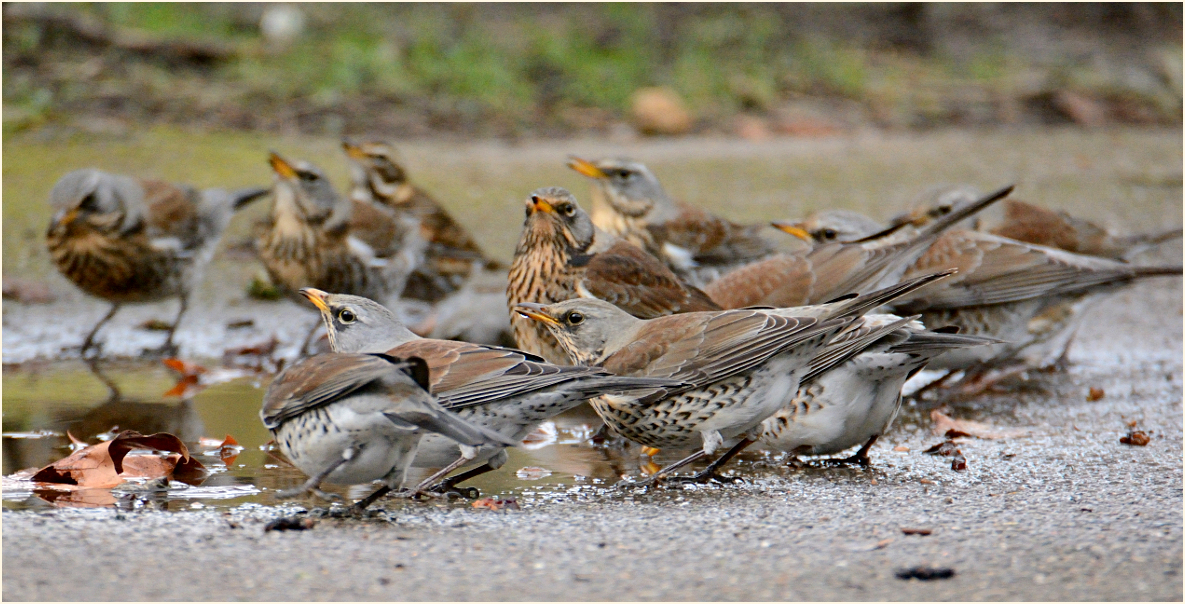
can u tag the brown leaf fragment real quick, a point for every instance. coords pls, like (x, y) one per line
(944, 425)
(155, 325)
(958, 463)
(240, 324)
(883, 543)
(103, 465)
(901, 448)
(916, 531)
(1095, 394)
(945, 449)
(925, 573)
(1136, 438)
(494, 503)
(289, 523)
(951, 450)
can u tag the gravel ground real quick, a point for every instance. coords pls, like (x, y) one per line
(1066, 512)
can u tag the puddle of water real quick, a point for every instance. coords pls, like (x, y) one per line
(45, 401)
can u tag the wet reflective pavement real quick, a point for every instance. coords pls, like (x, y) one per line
(1066, 511)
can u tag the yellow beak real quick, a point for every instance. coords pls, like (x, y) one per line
(534, 311)
(283, 168)
(538, 204)
(585, 167)
(317, 297)
(791, 229)
(354, 151)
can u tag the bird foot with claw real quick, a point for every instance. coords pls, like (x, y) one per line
(705, 478)
(449, 491)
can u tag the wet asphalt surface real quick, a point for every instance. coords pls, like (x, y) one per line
(1064, 512)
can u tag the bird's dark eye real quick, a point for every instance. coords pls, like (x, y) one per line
(346, 316)
(308, 176)
(566, 209)
(829, 234)
(574, 318)
(625, 174)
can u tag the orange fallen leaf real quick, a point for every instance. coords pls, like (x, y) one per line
(944, 425)
(103, 465)
(494, 503)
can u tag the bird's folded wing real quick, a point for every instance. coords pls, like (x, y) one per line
(319, 381)
(703, 348)
(995, 270)
(630, 278)
(464, 374)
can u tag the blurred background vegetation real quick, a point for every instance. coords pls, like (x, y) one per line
(548, 70)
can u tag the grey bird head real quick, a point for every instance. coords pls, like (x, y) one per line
(357, 324)
(831, 225)
(553, 216)
(938, 201)
(374, 168)
(302, 189)
(104, 201)
(630, 187)
(587, 328)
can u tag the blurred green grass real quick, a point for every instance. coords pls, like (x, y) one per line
(521, 66)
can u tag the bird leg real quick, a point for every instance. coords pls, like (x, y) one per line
(448, 485)
(90, 337)
(859, 457)
(169, 348)
(709, 473)
(373, 497)
(423, 487)
(313, 484)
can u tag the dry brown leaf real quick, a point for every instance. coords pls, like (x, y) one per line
(901, 448)
(944, 425)
(1095, 394)
(1136, 438)
(103, 465)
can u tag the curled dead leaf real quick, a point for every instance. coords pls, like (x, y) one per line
(107, 464)
(944, 425)
(1095, 394)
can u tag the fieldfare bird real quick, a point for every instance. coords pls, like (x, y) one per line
(1030, 296)
(309, 240)
(856, 402)
(833, 268)
(1033, 224)
(561, 255)
(504, 390)
(452, 253)
(1030, 223)
(740, 366)
(357, 418)
(129, 240)
(629, 202)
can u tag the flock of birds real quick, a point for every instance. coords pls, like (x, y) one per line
(683, 330)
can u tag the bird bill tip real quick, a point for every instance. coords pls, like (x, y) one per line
(316, 296)
(281, 166)
(535, 312)
(585, 167)
(353, 149)
(792, 229)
